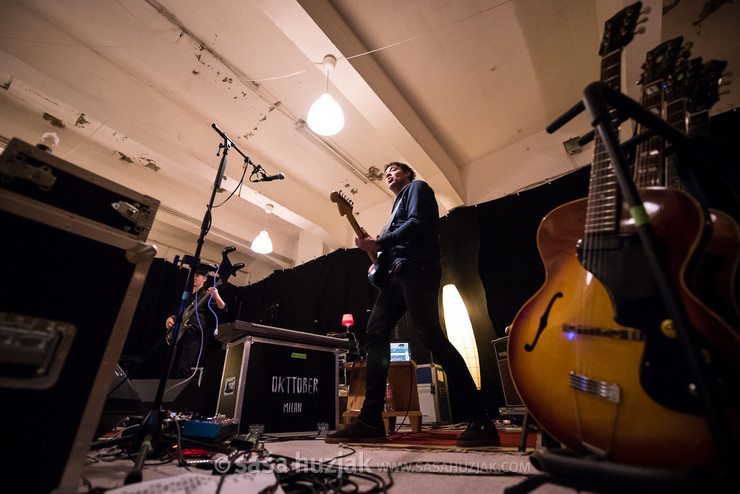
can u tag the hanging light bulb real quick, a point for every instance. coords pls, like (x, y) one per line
(262, 243)
(325, 117)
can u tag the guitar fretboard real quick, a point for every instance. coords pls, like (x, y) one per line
(603, 197)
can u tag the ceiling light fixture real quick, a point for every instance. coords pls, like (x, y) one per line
(325, 117)
(262, 243)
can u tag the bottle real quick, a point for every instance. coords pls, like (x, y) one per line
(388, 397)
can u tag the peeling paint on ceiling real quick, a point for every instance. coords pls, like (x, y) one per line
(123, 157)
(54, 121)
(81, 121)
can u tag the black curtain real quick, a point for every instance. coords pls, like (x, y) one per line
(145, 351)
(510, 266)
(460, 243)
(489, 252)
(313, 296)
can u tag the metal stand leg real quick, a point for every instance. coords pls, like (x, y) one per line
(525, 431)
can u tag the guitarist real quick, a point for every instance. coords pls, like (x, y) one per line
(409, 260)
(191, 339)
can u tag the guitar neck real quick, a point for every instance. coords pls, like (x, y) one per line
(603, 198)
(649, 163)
(358, 231)
(675, 116)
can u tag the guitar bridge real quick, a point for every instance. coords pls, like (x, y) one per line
(608, 391)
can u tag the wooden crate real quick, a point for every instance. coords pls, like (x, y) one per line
(402, 379)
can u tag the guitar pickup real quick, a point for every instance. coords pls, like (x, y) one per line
(602, 389)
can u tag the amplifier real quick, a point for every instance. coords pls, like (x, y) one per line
(511, 396)
(72, 285)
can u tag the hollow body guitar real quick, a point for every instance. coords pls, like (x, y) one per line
(651, 170)
(693, 89)
(593, 353)
(580, 373)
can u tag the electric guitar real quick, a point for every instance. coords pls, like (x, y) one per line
(379, 271)
(593, 354)
(719, 244)
(225, 271)
(692, 90)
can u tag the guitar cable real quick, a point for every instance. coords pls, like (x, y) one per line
(202, 335)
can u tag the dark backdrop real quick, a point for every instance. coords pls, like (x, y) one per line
(489, 252)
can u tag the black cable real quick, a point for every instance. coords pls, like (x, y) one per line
(304, 477)
(182, 462)
(239, 185)
(408, 404)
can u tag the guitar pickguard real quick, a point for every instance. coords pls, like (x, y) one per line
(622, 267)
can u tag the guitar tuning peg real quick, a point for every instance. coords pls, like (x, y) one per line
(640, 30)
(646, 10)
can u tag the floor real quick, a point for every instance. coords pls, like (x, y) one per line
(320, 467)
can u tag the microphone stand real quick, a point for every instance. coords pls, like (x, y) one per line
(150, 430)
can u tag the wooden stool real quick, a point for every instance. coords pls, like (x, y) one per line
(405, 402)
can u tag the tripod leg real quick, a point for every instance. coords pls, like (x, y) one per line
(135, 474)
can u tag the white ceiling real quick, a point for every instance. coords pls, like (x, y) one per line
(461, 90)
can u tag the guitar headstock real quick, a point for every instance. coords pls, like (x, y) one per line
(696, 82)
(682, 82)
(620, 29)
(661, 60)
(707, 86)
(343, 204)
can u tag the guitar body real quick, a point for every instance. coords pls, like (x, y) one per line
(616, 389)
(714, 279)
(379, 272)
(692, 90)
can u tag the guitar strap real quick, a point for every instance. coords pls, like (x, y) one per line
(384, 230)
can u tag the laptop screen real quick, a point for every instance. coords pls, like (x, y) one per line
(400, 352)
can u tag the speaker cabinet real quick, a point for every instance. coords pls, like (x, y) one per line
(71, 286)
(502, 357)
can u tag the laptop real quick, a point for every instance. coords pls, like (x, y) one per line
(400, 352)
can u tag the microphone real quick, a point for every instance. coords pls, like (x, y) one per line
(270, 178)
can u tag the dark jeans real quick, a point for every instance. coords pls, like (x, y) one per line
(189, 350)
(413, 288)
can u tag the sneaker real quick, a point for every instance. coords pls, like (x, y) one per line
(358, 432)
(479, 432)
